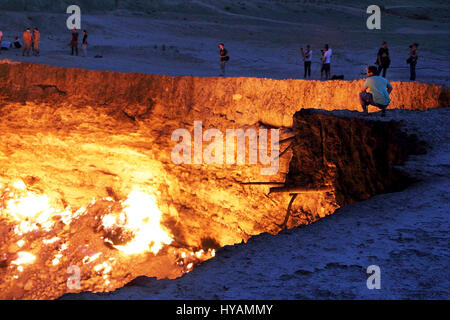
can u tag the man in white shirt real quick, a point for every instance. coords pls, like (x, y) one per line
(327, 61)
(307, 58)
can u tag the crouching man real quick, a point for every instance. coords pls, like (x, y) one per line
(380, 89)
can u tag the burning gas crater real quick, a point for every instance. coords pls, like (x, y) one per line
(43, 241)
(134, 229)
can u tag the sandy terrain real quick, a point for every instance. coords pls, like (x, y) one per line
(263, 38)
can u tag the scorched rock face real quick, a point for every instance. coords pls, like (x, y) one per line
(87, 186)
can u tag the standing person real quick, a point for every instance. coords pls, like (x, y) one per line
(32, 44)
(26, 42)
(84, 43)
(36, 41)
(383, 59)
(380, 88)
(1, 38)
(74, 41)
(223, 58)
(412, 60)
(307, 58)
(327, 61)
(322, 68)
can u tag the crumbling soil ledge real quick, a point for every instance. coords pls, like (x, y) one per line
(243, 100)
(354, 156)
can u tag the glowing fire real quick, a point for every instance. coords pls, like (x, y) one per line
(142, 218)
(23, 257)
(30, 210)
(189, 259)
(42, 229)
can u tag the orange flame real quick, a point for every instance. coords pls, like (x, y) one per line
(31, 211)
(142, 218)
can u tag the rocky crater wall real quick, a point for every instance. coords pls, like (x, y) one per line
(241, 100)
(78, 135)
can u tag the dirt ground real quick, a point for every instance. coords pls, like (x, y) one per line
(263, 37)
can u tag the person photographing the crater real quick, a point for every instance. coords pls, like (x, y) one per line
(307, 59)
(380, 89)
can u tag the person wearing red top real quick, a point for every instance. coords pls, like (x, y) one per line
(26, 42)
(36, 41)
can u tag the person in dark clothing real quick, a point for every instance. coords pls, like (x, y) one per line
(74, 41)
(17, 43)
(223, 58)
(412, 60)
(84, 43)
(322, 68)
(307, 58)
(383, 59)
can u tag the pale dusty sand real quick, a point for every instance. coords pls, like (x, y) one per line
(263, 38)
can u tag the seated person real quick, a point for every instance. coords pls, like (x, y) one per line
(380, 88)
(17, 43)
(5, 45)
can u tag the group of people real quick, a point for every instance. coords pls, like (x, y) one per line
(74, 42)
(325, 59)
(379, 86)
(32, 41)
(307, 57)
(383, 61)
